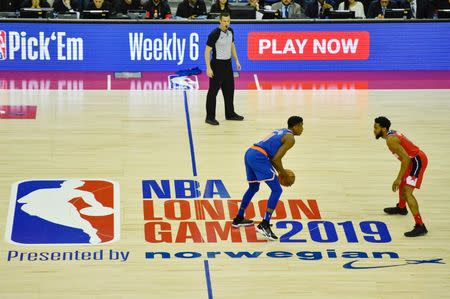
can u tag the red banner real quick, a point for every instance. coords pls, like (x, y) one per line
(353, 45)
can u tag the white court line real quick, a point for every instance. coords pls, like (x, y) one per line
(258, 87)
(108, 82)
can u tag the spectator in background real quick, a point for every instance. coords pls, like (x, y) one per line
(220, 6)
(84, 4)
(318, 9)
(289, 9)
(442, 4)
(123, 6)
(419, 9)
(62, 6)
(99, 5)
(35, 4)
(257, 4)
(378, 7)
(9, 5)
(439, 4)
(366, 4)
(158, 9)
(355, 6)
(191, 9)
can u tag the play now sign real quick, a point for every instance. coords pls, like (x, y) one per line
(353, 45)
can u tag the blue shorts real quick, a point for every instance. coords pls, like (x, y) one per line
(258, 167)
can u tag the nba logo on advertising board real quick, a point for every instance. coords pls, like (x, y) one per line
(2, 45)
(67, 212)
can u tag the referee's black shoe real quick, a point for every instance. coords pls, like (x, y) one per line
(212, 122)
(418, 230)
(235, 117)
(396, 210)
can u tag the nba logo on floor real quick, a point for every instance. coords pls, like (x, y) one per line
(2, 45)
(66, 212)
(183, 82)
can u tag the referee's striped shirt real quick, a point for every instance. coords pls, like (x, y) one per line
(220, 42)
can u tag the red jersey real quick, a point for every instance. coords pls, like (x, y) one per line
(411, 149)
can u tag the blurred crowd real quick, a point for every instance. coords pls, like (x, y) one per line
(197, 9)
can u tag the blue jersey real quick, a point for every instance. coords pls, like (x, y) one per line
(272, 143)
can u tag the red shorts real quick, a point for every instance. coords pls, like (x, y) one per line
(414, 174)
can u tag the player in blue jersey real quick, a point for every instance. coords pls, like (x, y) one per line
(260, 161)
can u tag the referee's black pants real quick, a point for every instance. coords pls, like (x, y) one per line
(222, 79)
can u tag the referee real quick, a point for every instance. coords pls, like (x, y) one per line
(220, 70)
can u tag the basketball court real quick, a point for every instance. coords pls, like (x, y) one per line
(174, 184)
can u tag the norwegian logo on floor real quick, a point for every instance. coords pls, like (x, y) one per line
(66, 212)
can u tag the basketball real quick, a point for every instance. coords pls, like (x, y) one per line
(287, 180)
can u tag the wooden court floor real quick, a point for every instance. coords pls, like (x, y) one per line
(172, 197)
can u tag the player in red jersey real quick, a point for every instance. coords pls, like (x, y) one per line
(413, 165)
